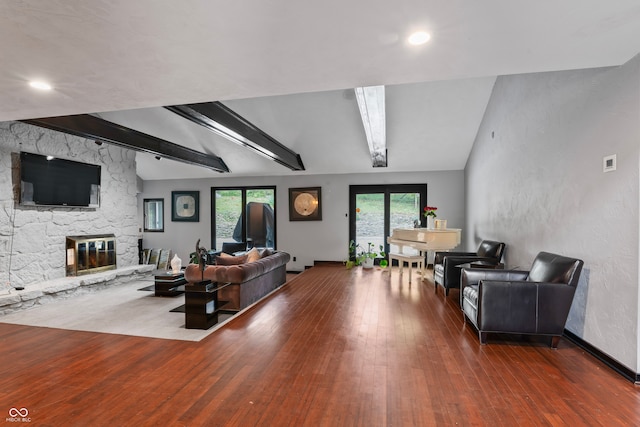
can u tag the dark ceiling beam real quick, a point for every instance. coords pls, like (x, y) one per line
(227, 123)
(92, 127)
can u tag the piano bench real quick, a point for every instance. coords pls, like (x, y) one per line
(409, 259)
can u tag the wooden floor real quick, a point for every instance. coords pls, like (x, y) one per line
(333, 347)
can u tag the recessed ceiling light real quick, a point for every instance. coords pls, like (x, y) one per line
(418, 38)
(39, 84)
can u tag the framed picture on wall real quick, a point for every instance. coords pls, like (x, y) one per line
(185, 206)
(305, 204)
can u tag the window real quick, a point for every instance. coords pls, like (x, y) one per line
(153, 214)
(375, 210)
(243, 214)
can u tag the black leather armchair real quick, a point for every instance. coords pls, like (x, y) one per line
(535, 302)
(445, 265)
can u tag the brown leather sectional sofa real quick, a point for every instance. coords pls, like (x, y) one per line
(249, 281)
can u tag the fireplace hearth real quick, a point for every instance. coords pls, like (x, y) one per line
(90, 254)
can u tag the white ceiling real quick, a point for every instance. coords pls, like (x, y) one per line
(288, 67)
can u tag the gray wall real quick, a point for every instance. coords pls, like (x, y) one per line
(535, 180)
(38, 233)
(325, 240)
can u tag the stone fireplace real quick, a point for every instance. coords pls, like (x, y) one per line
(90, 254)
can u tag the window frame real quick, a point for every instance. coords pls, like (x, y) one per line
(387, 190)
(145, 214)
(243, 190)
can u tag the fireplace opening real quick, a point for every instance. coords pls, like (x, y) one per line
(90, 254)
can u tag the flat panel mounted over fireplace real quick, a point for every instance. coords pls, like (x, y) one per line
(90, 254)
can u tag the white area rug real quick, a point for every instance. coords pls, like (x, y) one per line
(121, 309)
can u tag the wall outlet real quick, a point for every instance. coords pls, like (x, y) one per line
(294, 259)
(609, 163)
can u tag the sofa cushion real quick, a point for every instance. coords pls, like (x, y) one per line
(253, 255)
(225, 259)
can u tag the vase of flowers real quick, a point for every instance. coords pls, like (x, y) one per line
(429, 212)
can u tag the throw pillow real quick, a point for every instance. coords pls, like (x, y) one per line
(253, 255)
(266, 252)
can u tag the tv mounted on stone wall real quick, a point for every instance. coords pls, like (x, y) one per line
(50, 181)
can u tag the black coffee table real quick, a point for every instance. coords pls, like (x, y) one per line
(168, 284)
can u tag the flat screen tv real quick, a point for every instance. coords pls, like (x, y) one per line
(49, 181)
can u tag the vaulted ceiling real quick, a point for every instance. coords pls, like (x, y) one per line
(290, 69)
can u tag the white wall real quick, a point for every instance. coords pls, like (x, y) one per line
(36, 235)
(308, 241)
(535, 180)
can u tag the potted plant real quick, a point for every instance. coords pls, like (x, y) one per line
(364, 257)
(351, 261)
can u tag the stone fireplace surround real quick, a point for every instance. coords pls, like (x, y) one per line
(33, 231)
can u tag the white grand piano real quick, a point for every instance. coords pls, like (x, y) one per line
(423, 240)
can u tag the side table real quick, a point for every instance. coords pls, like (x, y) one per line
(482, 264)
(168, 284)
(202, 306)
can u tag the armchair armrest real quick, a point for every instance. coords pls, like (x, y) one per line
(554, 304)
(506, 306)
(473, 276)
(521, 306)
(439, 256)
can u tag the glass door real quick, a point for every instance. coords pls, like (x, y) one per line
(375, 210)
(369, 226)
(243, 214)
(228, 210)
(404, 210)
(261, 217)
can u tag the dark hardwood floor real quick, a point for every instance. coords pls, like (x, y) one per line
(333, 347)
